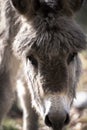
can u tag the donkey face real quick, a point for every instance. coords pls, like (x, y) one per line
(49, 43)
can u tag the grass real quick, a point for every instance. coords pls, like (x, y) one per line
(11, 124)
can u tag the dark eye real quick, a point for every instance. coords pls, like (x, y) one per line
(71, 57)
(33, 60)
(21, 5)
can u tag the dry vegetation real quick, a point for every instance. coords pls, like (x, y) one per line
(79, 117)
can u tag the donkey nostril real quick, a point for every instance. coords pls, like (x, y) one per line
(47, 121)
(67, 119)
(59, 118)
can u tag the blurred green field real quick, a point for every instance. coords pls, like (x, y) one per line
(12, 124)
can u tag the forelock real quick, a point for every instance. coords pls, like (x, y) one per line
(50, 37)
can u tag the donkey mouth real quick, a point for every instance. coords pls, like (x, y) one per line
(57, 122)
(57, 127)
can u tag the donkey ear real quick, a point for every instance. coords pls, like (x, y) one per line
(76, 4)
(21, 5)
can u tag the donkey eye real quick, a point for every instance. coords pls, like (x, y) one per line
(71, 57)
(33, 60)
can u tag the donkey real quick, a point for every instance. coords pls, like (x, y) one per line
(39, 46)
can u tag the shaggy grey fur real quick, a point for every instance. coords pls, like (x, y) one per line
(39, 46)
